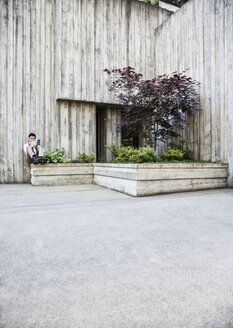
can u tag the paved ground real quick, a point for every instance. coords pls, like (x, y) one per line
(84, 256)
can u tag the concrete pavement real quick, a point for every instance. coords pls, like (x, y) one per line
(85, 256)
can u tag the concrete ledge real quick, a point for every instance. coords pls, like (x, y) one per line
(134, 179)
(61, 174)
(151, 179)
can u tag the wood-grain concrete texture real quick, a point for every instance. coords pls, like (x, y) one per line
(77, 128)
(53, 50)
(199, 37)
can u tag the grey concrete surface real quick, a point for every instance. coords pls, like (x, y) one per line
(85, 256)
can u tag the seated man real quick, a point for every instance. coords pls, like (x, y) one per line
(33, 150)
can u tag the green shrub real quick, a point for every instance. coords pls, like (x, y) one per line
(187, 153)
(113, 149)
(57, 156)
(134, 155)
(124, 154)
(172, 154)
(145, 155)
(84, 158)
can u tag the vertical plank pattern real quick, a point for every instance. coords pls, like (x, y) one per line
(77, 127)
(113, 136)
(58, 49)
(199, 36)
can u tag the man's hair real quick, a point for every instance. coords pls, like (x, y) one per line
(31, 135)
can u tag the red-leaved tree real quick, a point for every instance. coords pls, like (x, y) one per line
(155, 108)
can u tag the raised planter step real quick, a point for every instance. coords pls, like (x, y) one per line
(61, 174)
(152, 179)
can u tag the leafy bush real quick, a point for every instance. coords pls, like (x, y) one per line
(113, 149)
(133, 155)
(57, 156)
(145, 155)
(124, 154)
(188, 154)
(84, 158)
(172, 154)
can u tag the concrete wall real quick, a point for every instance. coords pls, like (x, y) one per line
(27, 81)
(58, 49)
(98, 34)
(199, 36)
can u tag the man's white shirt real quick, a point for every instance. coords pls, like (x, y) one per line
(25, 148)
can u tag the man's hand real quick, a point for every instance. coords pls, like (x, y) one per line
(30, 143)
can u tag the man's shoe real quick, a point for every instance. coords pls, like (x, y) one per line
(34, 160)
(42, 160)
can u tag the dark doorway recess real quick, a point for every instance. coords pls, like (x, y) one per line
(100, 133)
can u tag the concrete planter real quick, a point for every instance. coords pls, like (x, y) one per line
(61, 174)
(134, 179)
(151, 179)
